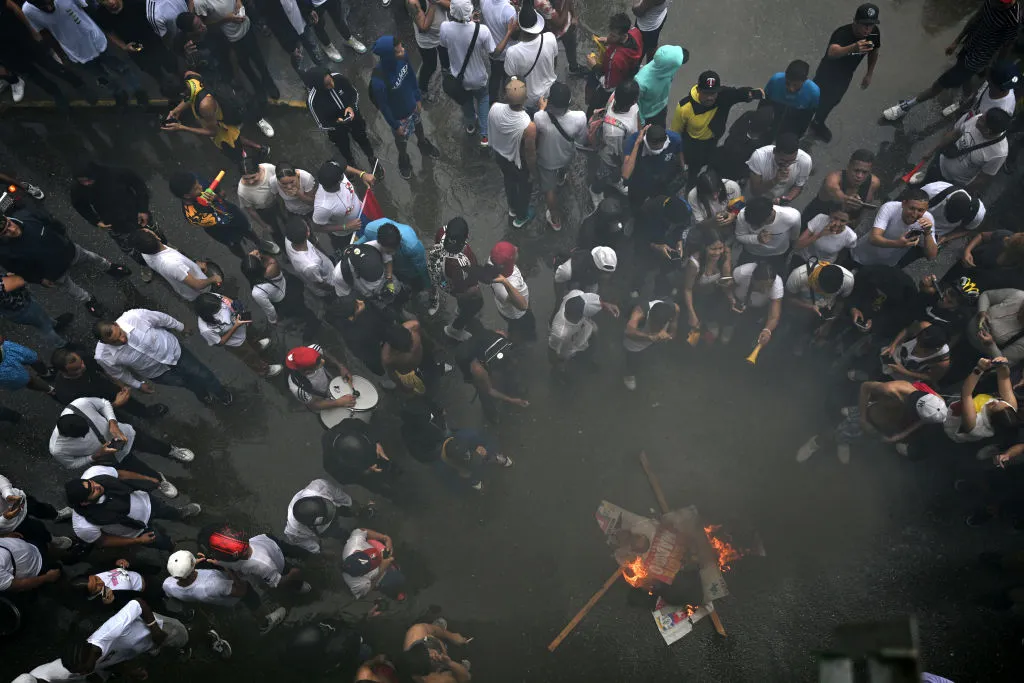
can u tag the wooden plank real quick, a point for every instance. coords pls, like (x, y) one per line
(583, 611)
(655, 486)
(717, 621)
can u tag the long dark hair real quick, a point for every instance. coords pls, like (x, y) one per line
(207, 305)
(254, 270)
(709, 186)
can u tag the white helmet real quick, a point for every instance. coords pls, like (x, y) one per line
(180, 564)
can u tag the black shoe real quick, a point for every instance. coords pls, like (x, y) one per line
(405, 170)
(822, 131)
(427, 149)
(118, 271)
(577, 71)
(62, 321)
(121, 99)
(157, 410)
(226, 398)
(142, 98)
(95, 308)
(979, 518)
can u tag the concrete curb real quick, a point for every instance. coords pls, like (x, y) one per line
(49, 104)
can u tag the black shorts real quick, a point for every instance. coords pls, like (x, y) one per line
(956, 75)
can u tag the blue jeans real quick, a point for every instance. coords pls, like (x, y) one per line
(118, 72)
(34, 315)
(191, 374)
(483, 105)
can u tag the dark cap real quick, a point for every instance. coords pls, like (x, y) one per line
(330, 175)
(709, 81)
(361, 562)
(367, 263)
(559, 96)
(76, 492)
(866, 14)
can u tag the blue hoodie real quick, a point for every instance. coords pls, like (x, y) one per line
(393, 83)
(411, 261)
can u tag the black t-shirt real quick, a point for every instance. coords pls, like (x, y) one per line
(987, 253)
(130, 24)
(842, 68)
(364, 336)
(92, 382)
(472, 350)
(730, 158)
(952, 320)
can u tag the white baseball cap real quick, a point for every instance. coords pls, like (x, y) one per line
(931, 408)
(605, 258)
(180, 564)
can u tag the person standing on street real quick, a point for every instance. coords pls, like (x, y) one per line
(230, 17)
(336, 11)
(511, 293)
(499, 17)
(333, 103)
(532, 60)
(897, 229)
(220, 219)
(655, 81)
(973, 152)
(513, 137)
(20, 367)
(623, 50)
(311, 265)
(449, 263)
(560, 20)
(79, 377)
(779, 171)
(767, 232)
(846, 48)
(18, 305)
(186, 277)
(654, 322)
(793, 97)
(336, 206)
(427, 17)
(138, 349)
(559, 132)
(847, 190)
(654, 162)
(650, 18)
(984, 38)
(126, 26)
(621, 120)
(223, 321)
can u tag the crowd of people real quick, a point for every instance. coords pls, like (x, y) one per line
(698, 213)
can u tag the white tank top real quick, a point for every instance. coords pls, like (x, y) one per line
(431, 37)
(910, 359)
(634, 345)
(703, 278)
(654, 17)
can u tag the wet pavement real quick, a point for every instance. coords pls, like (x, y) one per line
(879, 538)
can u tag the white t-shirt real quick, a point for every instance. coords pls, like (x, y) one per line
(455, 37)
(519, 58)
(295, 205)
(359, 585)
(27, 562)
(122, 580)
(225, 319)
(762, 162)
(567, 339)
(211, 586)
(614, 131)
(554, 152)
(312, 266)
(796, 284)
(265, 565)
(943, 226)
(430, 38)
(983, 428)
(732, 191)
(982, 101)
(224, 8)
(308, 538)
(336, 208)
(828, 246)
(496, 14)
(262, 195)
(268, 293)
(123, 636)
(140, 509)
(51, 672)
(175, 267)
(988, 160)
(654, 17)
(77, 33)
(501, 298)
(890, 219)
(783, 231)
(742, 275)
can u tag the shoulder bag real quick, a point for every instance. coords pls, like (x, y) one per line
(452, 85)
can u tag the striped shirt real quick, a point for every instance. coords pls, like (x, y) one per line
(994, 25)
(162, 14)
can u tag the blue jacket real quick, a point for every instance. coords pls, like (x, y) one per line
(393, 83)
(804, 98)
(653, 173)
(411, 260)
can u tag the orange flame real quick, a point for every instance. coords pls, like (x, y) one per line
(635, 572)
(727, 553)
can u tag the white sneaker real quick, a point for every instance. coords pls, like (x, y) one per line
(504, 461)
(305, 588)
(265, 128)
(808, 449)
(34, 191)
(843, 453)
(903, 449)
(356, 45)
(894, 113)
(595, 197)
(434, 307)
(263, 343)
(630, 382)
(182, 454)
(60, 542)
(273, 619)
(634, 294)
(168, 489)
(557, 227)
(457, 335)
(18, 90)
(385, 3)
(332, 53)
(191, 510)
(850, 411)
(951, 109)
(64, 514)
(274, 370)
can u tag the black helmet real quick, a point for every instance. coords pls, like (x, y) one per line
(310, 511)
(348, 443)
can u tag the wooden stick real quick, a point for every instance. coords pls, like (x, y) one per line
(583, 611)
(658, 493)
(717, 621)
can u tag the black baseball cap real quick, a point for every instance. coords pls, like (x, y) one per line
(709, 81)
(866, 14)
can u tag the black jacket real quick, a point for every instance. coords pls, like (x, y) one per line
(327, 105)
(42, 252)
(117, 197)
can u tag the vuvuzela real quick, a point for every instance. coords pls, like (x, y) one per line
(752, 358)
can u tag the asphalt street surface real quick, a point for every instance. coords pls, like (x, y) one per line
(879, 538)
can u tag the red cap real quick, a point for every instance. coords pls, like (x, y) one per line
(504, 254)
(302, 358)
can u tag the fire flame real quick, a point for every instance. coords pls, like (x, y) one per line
(727, 553)
(635, 572)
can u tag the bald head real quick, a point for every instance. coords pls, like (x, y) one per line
(515, 92)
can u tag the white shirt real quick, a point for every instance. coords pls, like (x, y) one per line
(320, 381)
(336, 208)
(455, 37)
(263, 194)
(293, 204)
(150, 352)
(268, 293)
(75, 452)
(122, 580)
(783, 231)
(567, 339)
(430, 38)
(505, 128)
(225, 319)
(312, 266)
(8, 489)
(501, 297)
(742, 275)
(218, 9)
(890, 219)
(762, 162)
(211, 587)
(796, 284)
(654, 17)
(77, 33)
(496, 14)
(359, 585)
(19, 559)
(306, 537)
(123, 636)
(732, 191)
(51, 672)
(519, 59)
(139, 509)
(163, 13)
(828, 246)
(942, 225)
(615, 128)
(988, 160)
(174, 267)
(982, 101)
(264, 566)
(554, 152)
(983, 428)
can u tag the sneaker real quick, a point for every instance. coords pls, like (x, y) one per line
(595, 197)
(634, 295)
(332, 53)
(165, 487)
(273, 619)
(274, 370)
(62, 321)
(385, 3)
(263, 343)
(191, 510)
(18, 90)
(895, 112)
(146, 273)
(520, 222)
(457, 335)
(355, 44)
(265, 128)
(405, 170)
(64, 514)
(809, 448)
(386, 384)
(182, 454)
(951, 109)
(843, 453)
(577, 71)
(484, 142)
(903, 449)
(988, 452)
(60, 542)
(269, 247)
(822, 131)
(305, 588)
(427, 148)
(219, 645)
(504, 461)
(477, 485)
(118, 271)
(555, 225)
(857, 376)
(434, 306)
(630, 382)
(471, 129)
(34, 191)
(227, 398)
(448, 367)
(95, 308)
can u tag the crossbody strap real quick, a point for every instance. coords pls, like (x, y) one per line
(469, 53)
(559, 128)
(92, 425)
(535, 59)
(981, 145)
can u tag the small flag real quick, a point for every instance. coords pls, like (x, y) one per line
(370, 210)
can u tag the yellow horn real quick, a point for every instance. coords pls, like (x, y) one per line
(752, 358)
